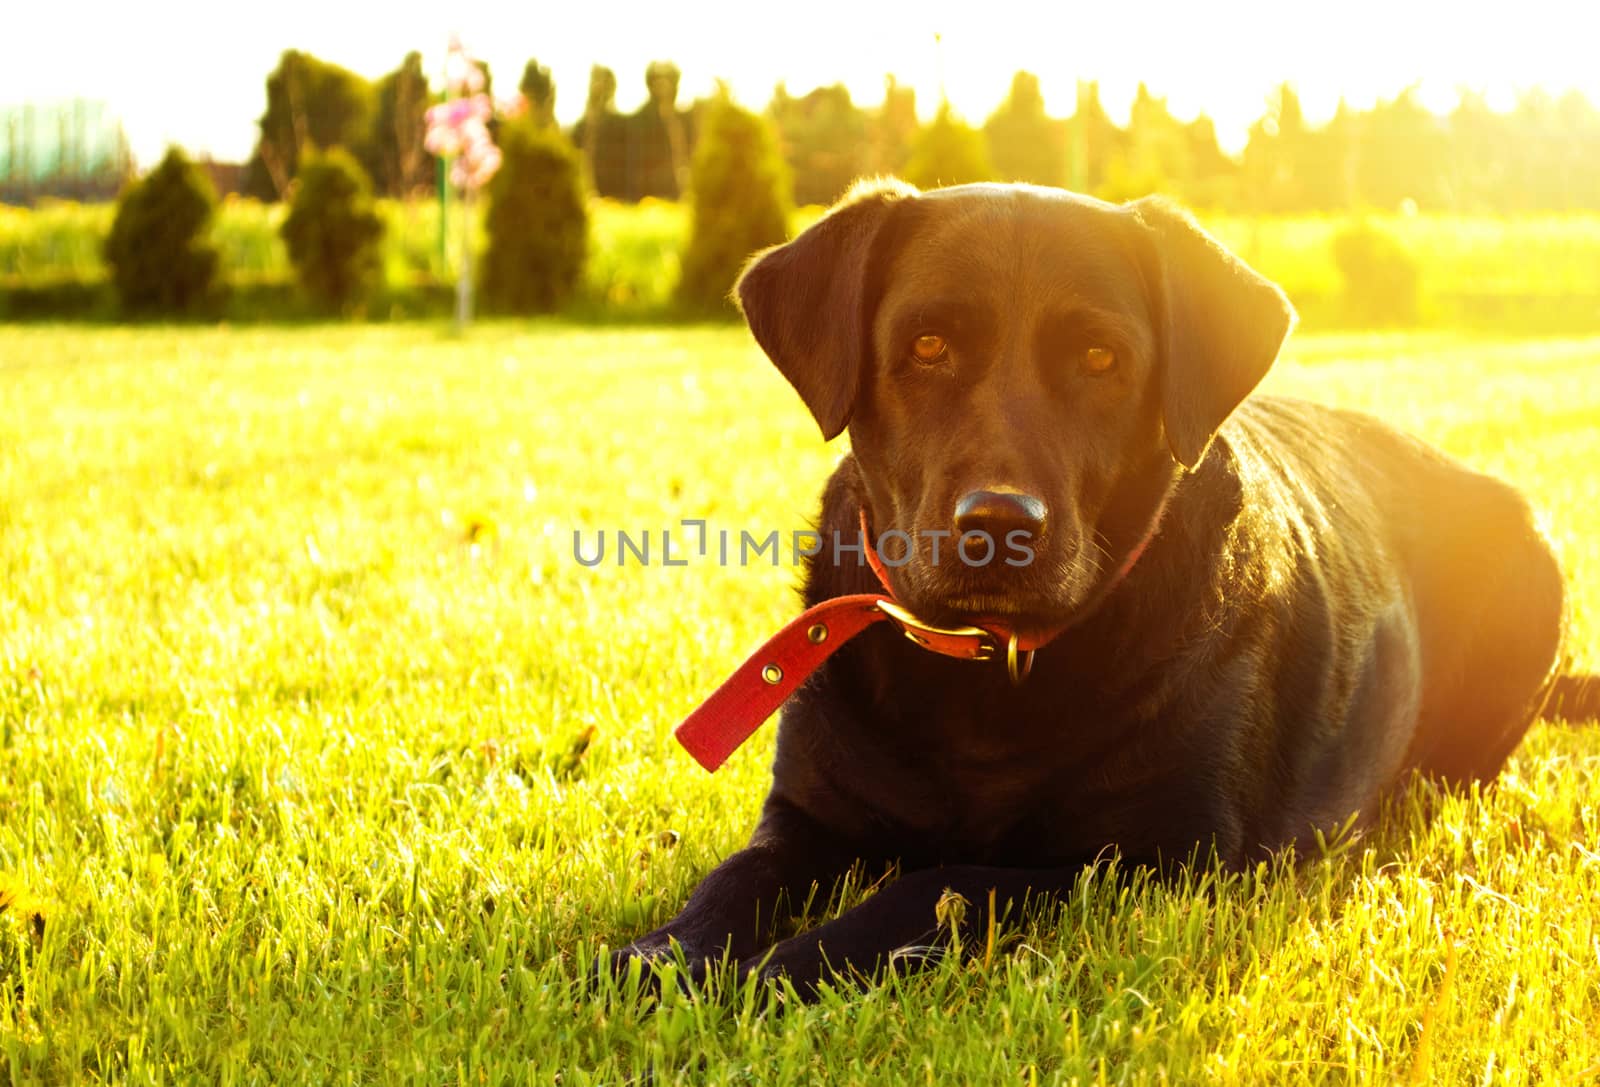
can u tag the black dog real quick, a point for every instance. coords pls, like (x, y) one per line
(1318, 607)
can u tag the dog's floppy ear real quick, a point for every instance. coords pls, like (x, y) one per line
(1222, 324)
(805, 301)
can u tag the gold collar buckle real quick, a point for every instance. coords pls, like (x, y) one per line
(924, 634)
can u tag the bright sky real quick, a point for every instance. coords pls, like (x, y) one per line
(192, 71)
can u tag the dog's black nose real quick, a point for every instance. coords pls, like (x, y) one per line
(999, 513)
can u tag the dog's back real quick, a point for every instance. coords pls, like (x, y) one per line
(1422, 564)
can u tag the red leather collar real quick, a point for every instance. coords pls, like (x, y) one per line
(762, 683)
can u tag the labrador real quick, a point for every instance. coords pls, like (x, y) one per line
(1255, 616)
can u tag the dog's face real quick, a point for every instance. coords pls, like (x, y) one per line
(1023, 372)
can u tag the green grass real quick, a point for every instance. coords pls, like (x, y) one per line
(322, 761)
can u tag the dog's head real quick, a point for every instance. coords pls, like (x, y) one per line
(1020, 362)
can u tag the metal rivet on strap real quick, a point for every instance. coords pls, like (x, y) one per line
(818, 634)
(772, 674)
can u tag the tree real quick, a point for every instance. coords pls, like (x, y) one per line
(1093, 141)
(1157, 146)
(309, 103)
(1328, 166)
(739, 201)
(1577, 151)
(1553, 156)
(602, 135)
(892, 128)
(1402, 149)
(161, 260)
(1025, 143)
(1274, 157)
(1480, 146)
(538, 221)
(948, 152)
(657, 138)
(538, 89)
(333, 232)
(1213, 177)
(823, 136)
(1532, 182)
(398, 162)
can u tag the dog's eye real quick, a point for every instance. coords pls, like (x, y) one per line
(929, 348)
(1098, 360)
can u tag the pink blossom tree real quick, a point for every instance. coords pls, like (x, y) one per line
(458, 132)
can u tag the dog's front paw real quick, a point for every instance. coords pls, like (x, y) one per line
(657, 959)
(805, 964)
(799, 962)
(644, 955)
(649, 949)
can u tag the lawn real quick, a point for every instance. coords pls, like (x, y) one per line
(322, 760)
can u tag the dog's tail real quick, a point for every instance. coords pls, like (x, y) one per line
(1574, 698)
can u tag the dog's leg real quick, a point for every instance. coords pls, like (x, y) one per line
(901, 926)
(732, 911)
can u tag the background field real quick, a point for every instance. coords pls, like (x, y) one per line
(1531, 272)
(322, 760)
